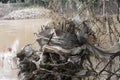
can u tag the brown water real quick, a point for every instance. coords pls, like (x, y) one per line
(23, 30)
(15, 34)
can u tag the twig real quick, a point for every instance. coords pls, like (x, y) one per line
(112, 57)
(112, 74)
(106, 65)
(50, 38)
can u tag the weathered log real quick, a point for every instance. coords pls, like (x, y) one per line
(65, 55)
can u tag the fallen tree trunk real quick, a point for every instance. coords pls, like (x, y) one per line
(66, 55)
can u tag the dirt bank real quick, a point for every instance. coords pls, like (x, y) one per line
(28, 13)
(7, 8)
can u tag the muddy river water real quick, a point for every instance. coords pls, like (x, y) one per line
(15, 34)
(23, 30)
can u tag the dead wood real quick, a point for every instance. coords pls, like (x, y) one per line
(66, 55)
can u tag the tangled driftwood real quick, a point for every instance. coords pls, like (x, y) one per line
(65, 55)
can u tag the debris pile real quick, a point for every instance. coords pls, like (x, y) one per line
(28, 13)
(65, 53)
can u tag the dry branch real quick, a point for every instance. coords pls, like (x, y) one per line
(65, 55)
